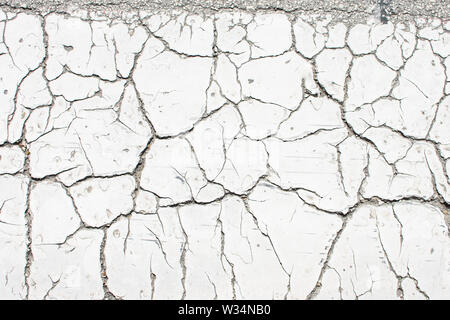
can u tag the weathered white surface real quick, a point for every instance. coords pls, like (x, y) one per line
(232, 155)
(100, 200)
(13, 237)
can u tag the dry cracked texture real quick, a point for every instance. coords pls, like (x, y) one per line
(233, 155)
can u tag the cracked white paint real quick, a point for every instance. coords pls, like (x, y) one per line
(232, 155)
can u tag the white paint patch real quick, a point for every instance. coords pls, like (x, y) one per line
(232, 155)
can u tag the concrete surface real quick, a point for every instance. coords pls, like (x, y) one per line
(438, 8)
(202, 153)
